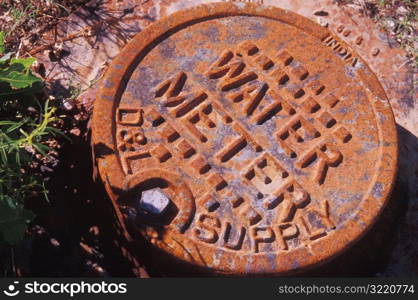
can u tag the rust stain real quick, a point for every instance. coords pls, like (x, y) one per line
(261, 127)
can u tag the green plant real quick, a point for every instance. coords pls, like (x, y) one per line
(19, 141)
(15, 74)
(22, 133)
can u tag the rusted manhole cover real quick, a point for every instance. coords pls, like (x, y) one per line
(259, 142)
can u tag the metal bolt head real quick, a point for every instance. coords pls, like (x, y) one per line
(154, 201)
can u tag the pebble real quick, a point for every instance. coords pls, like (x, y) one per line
(402, 10)
(54, 242)
(75, 131)
(94, 230)
(68, 104)
(390, 24)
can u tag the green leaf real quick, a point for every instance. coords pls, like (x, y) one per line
(14, 232)
(41, 148)
(6, 57)
(3, 155)
(56, 132)
(10, 94)
(24, 133)
(11, 213)
(5, 123)
(18, 80)
(2, 42)
(26, 62)
(17, 159)
(15, 126)
(11, 203)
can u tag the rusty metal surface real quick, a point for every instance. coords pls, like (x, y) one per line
(112, 23)
(116, 21)
(272, 138)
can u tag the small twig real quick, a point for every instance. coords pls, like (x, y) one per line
(363, 7)
(407, 61)
(18, 50)
(85, 32)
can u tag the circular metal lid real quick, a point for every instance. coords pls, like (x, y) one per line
(244, 139)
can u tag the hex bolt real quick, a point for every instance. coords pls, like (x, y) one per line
(154, 201)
